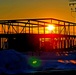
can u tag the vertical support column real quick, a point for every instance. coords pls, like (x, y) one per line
(45, 43)
(38, 27)
(73, 41)
(25, 28)
(64, 42)
(73, 30)
(40, 41)
(64, 28)
(70, 42)
(69, 28)
(17, 27)
(2, 43)
(12, 28)
(67, 42)
(44, 28)
(29, 26)
(59, 43)
(9, 28)
(2, 28)
(32, 29)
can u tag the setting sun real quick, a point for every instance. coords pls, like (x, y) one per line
(51, 27)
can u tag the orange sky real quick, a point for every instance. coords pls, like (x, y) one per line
(15, 9)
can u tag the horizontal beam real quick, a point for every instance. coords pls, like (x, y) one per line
(36, 35)
(37, 19)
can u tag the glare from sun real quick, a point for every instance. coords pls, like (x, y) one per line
(51, 27)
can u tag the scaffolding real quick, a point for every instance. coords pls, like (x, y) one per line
(35, 31)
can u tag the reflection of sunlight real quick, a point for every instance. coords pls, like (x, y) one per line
(57, 53)
(61, 61)
(73, 61)
(66, 54)
(67, 61)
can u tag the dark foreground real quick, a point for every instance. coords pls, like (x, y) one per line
(13, 62)
(73, 72)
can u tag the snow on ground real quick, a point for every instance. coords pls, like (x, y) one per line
(13, 62)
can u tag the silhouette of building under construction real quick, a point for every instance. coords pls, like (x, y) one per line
(32, 35)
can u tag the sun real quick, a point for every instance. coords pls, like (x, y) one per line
(50, 27)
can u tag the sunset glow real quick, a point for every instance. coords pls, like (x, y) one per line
(51, 27)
